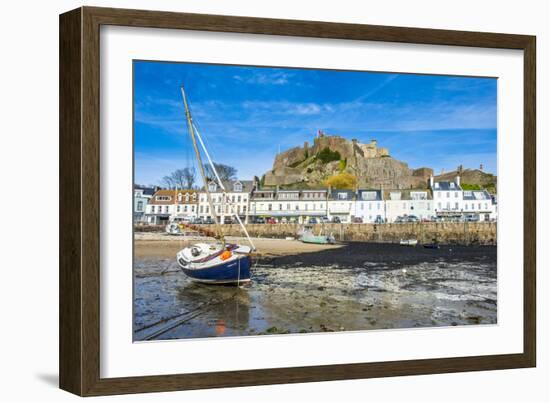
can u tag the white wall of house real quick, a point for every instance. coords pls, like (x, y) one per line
(368, 211)
(233, 202)
(140, 204)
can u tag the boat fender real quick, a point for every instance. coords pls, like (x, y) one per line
(225, 255)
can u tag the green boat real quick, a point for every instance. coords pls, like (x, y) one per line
(307, 236)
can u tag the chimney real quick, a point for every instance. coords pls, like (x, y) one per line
(431, 181)
(458, 180)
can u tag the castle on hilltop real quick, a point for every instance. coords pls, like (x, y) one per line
(310, 165)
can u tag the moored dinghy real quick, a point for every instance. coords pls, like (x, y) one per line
(408, 242)
(219, 263)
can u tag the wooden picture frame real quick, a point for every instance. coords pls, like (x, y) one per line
(79, 279)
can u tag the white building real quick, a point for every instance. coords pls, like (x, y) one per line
(341, 204)
(479, 205)
(447, 198)
(370, 206)
(168, 205)
(452, 201)
(289, 205)
(410, 202)
(142, 195)
(234, 201)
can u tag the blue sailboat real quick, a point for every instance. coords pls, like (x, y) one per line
(219, 263)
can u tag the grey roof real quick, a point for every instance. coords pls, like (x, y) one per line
(406, 193)
(334, 194)
(248, 185)
(377, 196)
(476, 195)
(445, 186)
(147, 191)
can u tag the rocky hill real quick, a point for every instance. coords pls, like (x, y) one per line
(471, 179)
(331, 155)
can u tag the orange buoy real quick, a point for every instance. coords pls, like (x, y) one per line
(225, 255)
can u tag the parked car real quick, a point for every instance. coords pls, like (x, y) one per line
(357, 220)
(324, 220)
(471, 217)
(379, 220)
(312, 220)
(271, 220)
(228, 220)
(412, 218)
(198, 220)
(209, 220)
(258, 220)
(336, 220)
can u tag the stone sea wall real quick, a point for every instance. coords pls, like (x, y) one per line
(445, 233)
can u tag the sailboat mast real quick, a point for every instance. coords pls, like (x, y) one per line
(201, 166)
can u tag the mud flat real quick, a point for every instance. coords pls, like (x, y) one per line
(299, 288)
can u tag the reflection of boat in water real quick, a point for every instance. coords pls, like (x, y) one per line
(408, 242)
(220, 263)
(306, 235)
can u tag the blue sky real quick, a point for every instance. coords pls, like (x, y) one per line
(246, 113)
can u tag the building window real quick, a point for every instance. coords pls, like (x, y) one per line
(342, 196)
(178, 208)
(269, 207)
(140, 206)
(238, 198)
(152, 209)
(237, 187)
(280, 207)
(288, 206)
(212, 187)
(456, 194)
(201, 209)
(166, 209)
(184, 208)
(448, 195)
(456, 206)
(163, 198)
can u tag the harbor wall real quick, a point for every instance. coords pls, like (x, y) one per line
(447, 233)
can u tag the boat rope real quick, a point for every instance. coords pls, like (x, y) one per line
(220, 183)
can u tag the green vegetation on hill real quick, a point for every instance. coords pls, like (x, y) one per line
(342, 164)
(468, 186)
(326, 155)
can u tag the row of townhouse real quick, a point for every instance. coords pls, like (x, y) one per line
(446, 200)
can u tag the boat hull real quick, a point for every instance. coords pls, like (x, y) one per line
(233, 272)
(317, 239)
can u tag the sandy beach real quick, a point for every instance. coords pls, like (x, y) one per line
(160, 245)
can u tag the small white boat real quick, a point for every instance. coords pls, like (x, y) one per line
(408, 242)
(173, 229)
